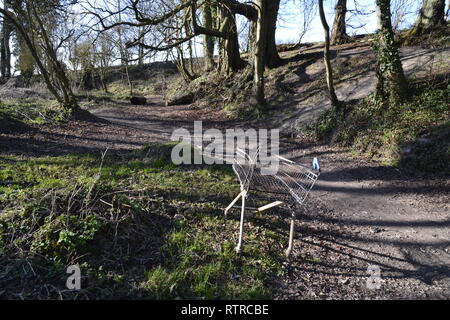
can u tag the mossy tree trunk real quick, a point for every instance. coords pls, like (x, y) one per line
(208, 40)
(339, 32)
(326, 54)
(392, 83)
(5, 46)
(271, 16)
(260, 52)
(431, 16)
(231, 56)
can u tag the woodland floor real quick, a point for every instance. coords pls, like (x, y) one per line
(361, 213)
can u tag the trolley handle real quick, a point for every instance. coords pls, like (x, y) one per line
(316, 165)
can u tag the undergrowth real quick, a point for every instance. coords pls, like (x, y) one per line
(33, 111)
(121, 91)
(414, 133)
(137, 225)
(439, 38)
(234, 94)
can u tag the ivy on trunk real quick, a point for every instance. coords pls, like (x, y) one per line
(392, 84)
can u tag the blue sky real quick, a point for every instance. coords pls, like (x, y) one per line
(290, 21)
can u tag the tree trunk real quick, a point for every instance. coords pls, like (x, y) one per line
(141, 53)
(103, 78)
(69, 100)
(392, 82)
(182, 68)
(271, 17)
(339, 32)
(191, 59)
(431, 16)
(251, 36)
(5, 47)
(129, 82)
(6, 52)
(326, 55)
(231, 56)
(260, 52)
(208, 41)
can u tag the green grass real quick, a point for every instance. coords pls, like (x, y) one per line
(198, 265)
(139, 227)
(32, 110)
(121, 91)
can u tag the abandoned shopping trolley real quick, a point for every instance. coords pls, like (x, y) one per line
(292, 179)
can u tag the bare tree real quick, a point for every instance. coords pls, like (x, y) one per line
(5, 46)
(104, 55)
(400, 9)
(272, 58)
(260, 44)
(339, 30)
(209, 11)
(392, 83)
(431, 16)
(308, 10)
(229, 44)
(326, 54)
(175, 24)
(39, 40)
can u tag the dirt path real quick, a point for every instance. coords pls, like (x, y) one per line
(379, 216)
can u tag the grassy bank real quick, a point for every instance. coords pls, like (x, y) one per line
(138, 226)
(30, 111)
(414, 134)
